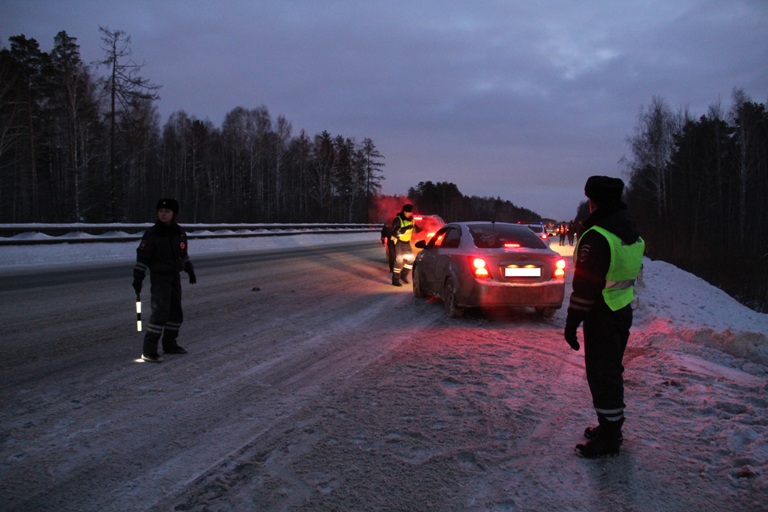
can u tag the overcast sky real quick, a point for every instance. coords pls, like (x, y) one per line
(521, 100)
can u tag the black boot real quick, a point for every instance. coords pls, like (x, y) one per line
(396, 279)
(606, 441)
(404, 275)
(169, 344)
(598, 447)
(594, 433)
(149, 350)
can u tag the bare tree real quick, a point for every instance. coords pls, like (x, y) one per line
(74, 97)
(652, 146)
(126, 88)
(24, 102)
(373, 171)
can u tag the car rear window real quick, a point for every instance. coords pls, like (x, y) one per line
(496, 236)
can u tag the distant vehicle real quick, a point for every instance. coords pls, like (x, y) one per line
(540, 232)
(489, 265)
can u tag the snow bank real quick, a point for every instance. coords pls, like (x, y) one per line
(675, 303)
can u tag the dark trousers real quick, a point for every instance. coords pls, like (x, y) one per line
(606, 334)
(167, 316)
(391, 251)
(403, 258)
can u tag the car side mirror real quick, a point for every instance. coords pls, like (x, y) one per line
(421, 244)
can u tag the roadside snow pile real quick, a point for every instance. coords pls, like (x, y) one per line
(683, 306)
(64, 254)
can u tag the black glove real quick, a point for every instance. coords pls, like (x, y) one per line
(403, 230)
(137, 285)
(190, 270)
(570, 337)
(572, 323)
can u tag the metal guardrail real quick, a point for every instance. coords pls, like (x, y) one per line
(29, 234)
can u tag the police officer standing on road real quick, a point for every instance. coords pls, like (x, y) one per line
(402, 230)
(608, 259)
(163, 251)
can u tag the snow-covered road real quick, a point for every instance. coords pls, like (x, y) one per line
(312, 384)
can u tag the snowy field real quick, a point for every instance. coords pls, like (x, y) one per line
(697, 371)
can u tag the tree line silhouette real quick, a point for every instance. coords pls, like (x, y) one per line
(696, 189)
(79, 148)
(75, 147)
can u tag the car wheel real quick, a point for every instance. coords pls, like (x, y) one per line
(417, 291)
(449, 300)
(546, 312)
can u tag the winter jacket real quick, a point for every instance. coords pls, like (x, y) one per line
(163, 250)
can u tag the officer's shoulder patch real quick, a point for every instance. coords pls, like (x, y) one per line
(583, 253)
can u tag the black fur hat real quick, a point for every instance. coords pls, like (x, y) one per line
(603, 189)
(169, 203)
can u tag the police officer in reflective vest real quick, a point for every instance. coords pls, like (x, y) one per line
(608, 259)
(402, 230)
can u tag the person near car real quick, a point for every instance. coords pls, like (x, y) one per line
(563, 231)
(403, 227)
(389, 245)
(607, 260)
(163, 251)
(571, 232)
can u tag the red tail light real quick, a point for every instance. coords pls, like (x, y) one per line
(559, 269)
(478, 267)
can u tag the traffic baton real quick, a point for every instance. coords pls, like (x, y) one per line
(138, 313)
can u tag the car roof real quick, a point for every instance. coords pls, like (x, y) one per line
(429, 216)
(477, 222)
(509, 226)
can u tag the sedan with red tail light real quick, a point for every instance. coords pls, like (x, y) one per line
(489, 265)
(540, 232)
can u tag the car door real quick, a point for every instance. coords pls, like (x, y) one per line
(427, 262)
(444, 255)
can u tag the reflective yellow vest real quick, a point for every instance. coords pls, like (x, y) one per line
(405, 223)
(626, 261)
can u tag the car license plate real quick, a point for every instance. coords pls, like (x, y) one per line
(522, 271)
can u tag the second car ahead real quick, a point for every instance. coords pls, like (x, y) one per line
(489, 265)
(540, 232)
